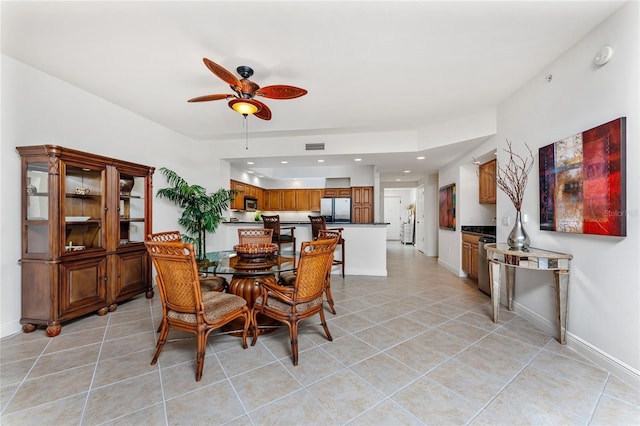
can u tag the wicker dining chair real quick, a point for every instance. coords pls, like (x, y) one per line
(208, 282)
(260, 236)
(184, 305)
(291, 305)
(319, 223)
(273, 222)
(289, 278)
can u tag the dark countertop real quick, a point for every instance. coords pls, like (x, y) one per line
(482, 230)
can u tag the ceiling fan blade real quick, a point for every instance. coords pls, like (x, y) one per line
(222, 73)
(281, 91)
(264, 113)
(215, 97)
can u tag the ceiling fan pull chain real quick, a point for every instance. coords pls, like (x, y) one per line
(246, 132)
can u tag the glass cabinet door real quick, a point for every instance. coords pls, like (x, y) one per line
(37, 208)
(83, 208)
(132, 209)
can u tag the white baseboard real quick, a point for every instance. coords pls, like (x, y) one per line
(9, 328)
(356, 271)
(448, 267)
(584, 348)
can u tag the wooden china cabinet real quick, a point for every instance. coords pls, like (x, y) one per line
(84, 220)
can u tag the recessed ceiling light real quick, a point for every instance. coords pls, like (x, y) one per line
(250, 171)
(397, 180)
(250, 162)
(407, 171)
(284, 162)
(260, 176)
(357, 159)
(420, 158)
(320, 161)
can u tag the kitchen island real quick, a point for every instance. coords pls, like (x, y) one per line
(365, 243)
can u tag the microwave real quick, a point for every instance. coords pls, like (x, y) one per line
(250, 204)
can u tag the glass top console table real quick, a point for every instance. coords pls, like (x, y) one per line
(501, 255)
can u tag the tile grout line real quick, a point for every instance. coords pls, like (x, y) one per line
(95, 369)
(24, 379)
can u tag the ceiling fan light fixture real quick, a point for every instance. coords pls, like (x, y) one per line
(244, 106)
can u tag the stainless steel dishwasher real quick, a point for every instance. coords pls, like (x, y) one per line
(483, 265)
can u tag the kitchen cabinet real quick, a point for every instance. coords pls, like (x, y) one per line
(315, 195)
(288, 200)
(273, 200)
(238, 201)
(487, 183)
(470, 254)
(302, 199)
(337, 192)
(84, 220)
(362, 204)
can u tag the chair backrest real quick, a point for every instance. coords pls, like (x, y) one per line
(272, 222)
(178, 281)
(315, 260)
(165, 236)
(329, 234)
(317, 223)
(255, 236)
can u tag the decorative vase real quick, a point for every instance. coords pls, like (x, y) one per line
(518, 238)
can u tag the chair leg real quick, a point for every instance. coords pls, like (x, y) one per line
(327, 292)
(247, 323)
(324, 325)
(342, 259)
(293, 336)
(254, 324)
(164, 332)
(201, 338)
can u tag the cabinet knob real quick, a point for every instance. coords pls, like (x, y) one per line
(104, 278)
(106, 208)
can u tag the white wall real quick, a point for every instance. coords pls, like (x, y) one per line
(604, 300)
(39, 109)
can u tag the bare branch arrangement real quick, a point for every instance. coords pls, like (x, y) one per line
(512, 178)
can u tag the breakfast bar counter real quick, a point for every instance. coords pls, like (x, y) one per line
(365, 243)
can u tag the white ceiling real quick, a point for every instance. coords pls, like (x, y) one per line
(368, 65)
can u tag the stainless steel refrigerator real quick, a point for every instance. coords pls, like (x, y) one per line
(336, 209)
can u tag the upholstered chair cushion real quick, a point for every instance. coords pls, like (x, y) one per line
(216, 305)
(277, 304)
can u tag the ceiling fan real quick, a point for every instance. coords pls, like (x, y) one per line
(245, 90)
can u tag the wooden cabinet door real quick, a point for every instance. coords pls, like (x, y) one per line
(330, 192)
(362, 202)
(487, 183)
(273, 197)
(83, 286)
(130, 274)
(261, 199)
(344, 192)
(302, 199)
(314, 199)
(288, 199)
(474, 261)
(238, 201)
(466, 257)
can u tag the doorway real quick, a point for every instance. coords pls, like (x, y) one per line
(392, 217)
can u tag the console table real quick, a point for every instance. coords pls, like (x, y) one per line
(500, 254)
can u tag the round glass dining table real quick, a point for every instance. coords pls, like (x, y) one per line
(248, 273)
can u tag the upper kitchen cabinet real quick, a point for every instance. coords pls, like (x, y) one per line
(238, 200)
(337, 192)
(314, 199)
(487, 182)
(362, 204)
(84, 221)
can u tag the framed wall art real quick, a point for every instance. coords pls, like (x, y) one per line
(582, 182)
(448, 207)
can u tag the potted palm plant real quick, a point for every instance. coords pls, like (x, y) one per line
(201, 211)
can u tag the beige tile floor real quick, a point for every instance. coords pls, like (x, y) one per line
(416, 347)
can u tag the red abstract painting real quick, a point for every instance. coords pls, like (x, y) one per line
(582, 182)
